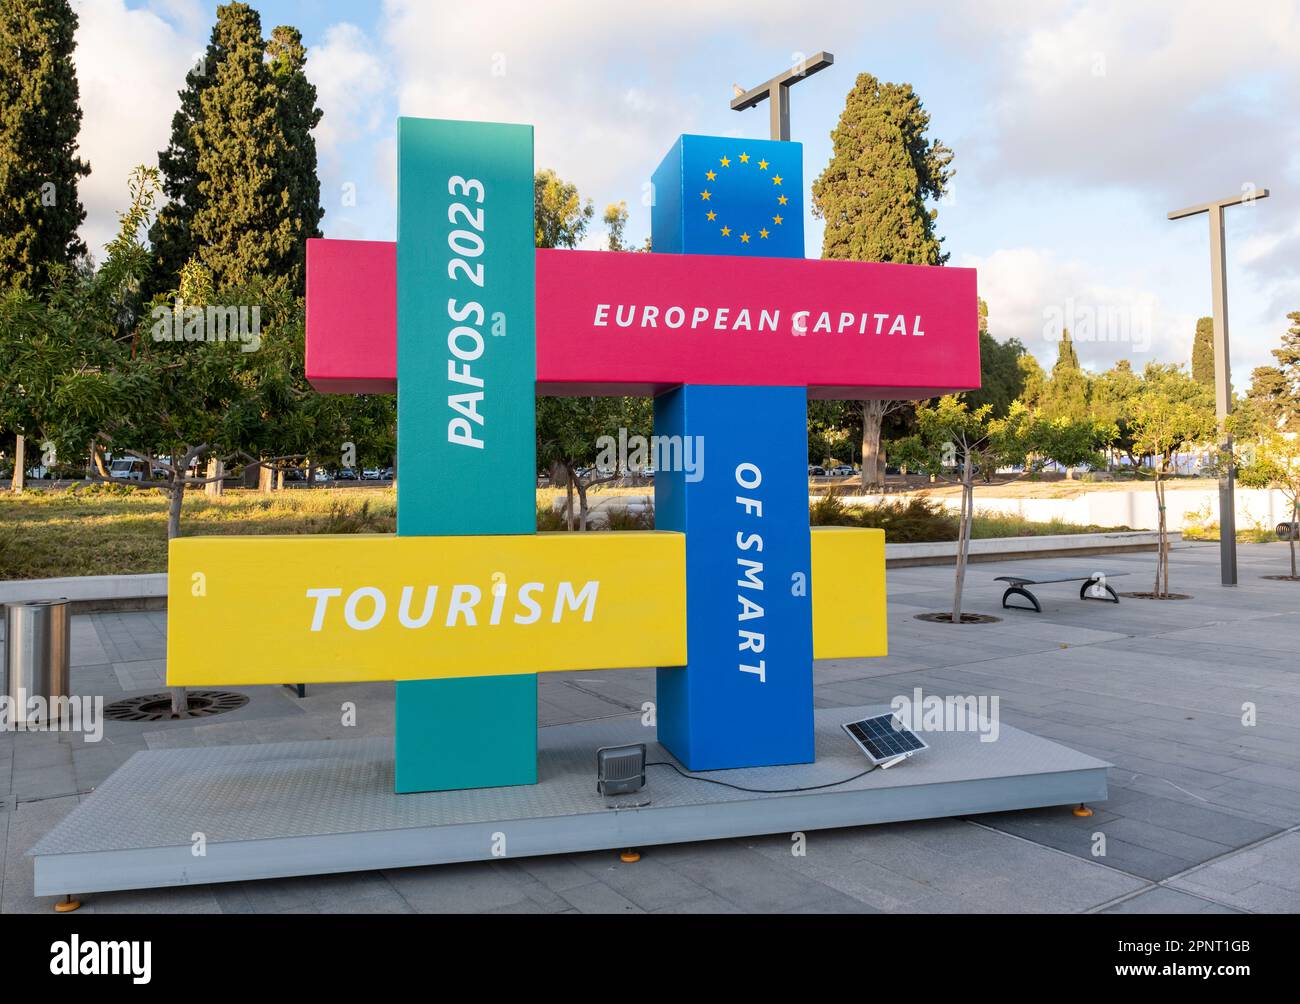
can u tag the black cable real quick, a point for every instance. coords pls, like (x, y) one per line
(759, 791)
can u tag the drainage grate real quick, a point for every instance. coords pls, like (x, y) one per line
(158, 707)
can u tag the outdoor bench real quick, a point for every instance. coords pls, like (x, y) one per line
(1094, 581)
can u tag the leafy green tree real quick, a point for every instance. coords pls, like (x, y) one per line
(91, 376)
(1268, 456)
(1034, 382)
(569, 430)
(568, 427)
(1170, 412)
(970, 446)
(1288, 355)
(834, 430)
(1002, 378)
(873, 196)
(1113, 394)
(963, 445)
(560, 214)
(40, 117)
(1203, 352)
(1275, 390)
(1270, 396)
(616, 222)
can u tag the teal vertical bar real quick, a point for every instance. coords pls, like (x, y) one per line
(466, 447)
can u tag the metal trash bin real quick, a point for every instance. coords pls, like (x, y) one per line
(36, 648)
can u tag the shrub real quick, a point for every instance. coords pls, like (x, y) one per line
(626, 519)
(912, 521)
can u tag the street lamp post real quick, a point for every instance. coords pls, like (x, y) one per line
(777, 93)
(1222, 372)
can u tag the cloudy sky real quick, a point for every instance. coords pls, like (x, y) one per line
(1076, 126)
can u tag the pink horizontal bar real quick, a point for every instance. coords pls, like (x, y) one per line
(634, 323)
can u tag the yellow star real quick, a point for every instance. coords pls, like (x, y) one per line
(744, 158)
(705, 195)
(762, 165)
(712, 215)
(781, 200)
(710, 175)
(776, 220)
(726, 231)
(776, 180)
(725, 161)
(744, 238)
(763, 234)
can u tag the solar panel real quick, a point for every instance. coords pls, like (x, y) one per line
(883, 739)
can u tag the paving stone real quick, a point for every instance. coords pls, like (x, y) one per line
(597, 897)
(1166, 900)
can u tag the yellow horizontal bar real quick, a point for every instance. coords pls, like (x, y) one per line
(333, 609)
(848, 592)
(319, 609)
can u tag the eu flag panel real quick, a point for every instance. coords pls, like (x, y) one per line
(466, 365)
(744, 698)
(716, 195)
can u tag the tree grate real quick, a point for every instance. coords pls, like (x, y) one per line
(158, 707)
(945, 617)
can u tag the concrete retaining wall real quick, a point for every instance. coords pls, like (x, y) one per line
(1010, 548)
(1135, 508)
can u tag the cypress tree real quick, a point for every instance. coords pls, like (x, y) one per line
(882, 169)
(40, 117)
(1066, 357)
(298, 115)
(872, 196)
(1068, 392)
(170, 235)
(240, 169)
(1203, 352)
(237, 230)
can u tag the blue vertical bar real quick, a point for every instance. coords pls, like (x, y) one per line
(744, 698)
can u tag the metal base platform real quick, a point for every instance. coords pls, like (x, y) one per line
(312, 808)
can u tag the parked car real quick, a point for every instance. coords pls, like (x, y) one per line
(816, 472)
(843, 471)
(345, 474)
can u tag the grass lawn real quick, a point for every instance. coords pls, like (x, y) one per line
(106, 530)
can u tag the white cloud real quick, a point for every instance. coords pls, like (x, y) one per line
(351, 81)
(608, 87)
(1032, 293)
(130, 66)
(1183, 97)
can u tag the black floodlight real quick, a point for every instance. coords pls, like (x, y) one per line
(620, 769)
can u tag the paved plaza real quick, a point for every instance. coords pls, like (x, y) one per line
(1203, 813)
